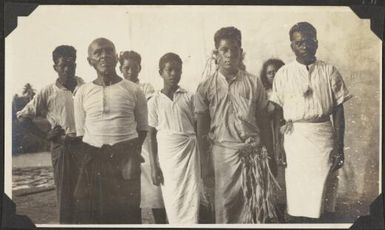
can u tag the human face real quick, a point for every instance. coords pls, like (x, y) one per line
(304, 45)
(130, 69)
(229, 55)
(102, 56)
(171, 74)
(65, 68)
(270, 73)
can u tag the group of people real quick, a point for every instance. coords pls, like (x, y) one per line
(118, 145)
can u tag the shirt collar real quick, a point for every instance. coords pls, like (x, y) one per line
(236, 76)
(59, 85)
(177, 91)
(310, 66)
(180, 90)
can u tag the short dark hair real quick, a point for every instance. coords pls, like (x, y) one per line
(303, 27)
(63, 51)
(278, 63)
(230, 33)
(129, 55)
(169, 57)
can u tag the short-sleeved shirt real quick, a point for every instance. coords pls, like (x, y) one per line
(233, 106)
(56, 103)
(175, 116)
(308, 94)
(110, 114)
(147, 89)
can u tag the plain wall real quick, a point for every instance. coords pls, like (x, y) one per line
(344, 40)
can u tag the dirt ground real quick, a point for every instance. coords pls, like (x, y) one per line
(41, 209)
(35, 196)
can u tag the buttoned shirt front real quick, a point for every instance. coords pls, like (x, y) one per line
(110, 114)
(308, 93)
(233, 106)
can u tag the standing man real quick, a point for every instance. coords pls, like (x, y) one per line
(55, 102)
(111, 116)
(309, 91)
(230, 108)
(151, 195)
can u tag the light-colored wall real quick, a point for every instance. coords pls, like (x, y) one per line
(344, 40)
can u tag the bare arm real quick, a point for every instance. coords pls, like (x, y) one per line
(156, 173)
(154, 147)
(266, 135)
(278, 136)
(203, 128)
(263, 109)
(141, 136)
(263, 122)
(339, 126)
(141, 117)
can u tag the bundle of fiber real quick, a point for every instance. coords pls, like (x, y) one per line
(258, 186)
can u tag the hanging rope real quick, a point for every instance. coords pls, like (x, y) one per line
(210, 67)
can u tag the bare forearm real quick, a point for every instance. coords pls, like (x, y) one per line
(338, 156)
(263, 121)
(203, 128)
(278, 121)
(141, 137)
(153, 148)
(339, 126)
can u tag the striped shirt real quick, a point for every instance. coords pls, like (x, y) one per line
(56, 103)
(307, 95)
(232, 106)
(147, 89)
(110, 114)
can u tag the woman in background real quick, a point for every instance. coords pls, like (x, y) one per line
(269, 69)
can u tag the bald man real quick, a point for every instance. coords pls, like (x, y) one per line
(111, 117)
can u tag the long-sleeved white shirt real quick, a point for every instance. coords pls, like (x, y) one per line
(110, 114)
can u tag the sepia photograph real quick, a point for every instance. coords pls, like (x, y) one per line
(192, 116)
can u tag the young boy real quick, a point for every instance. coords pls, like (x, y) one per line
(171, 121)
(151, 195)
